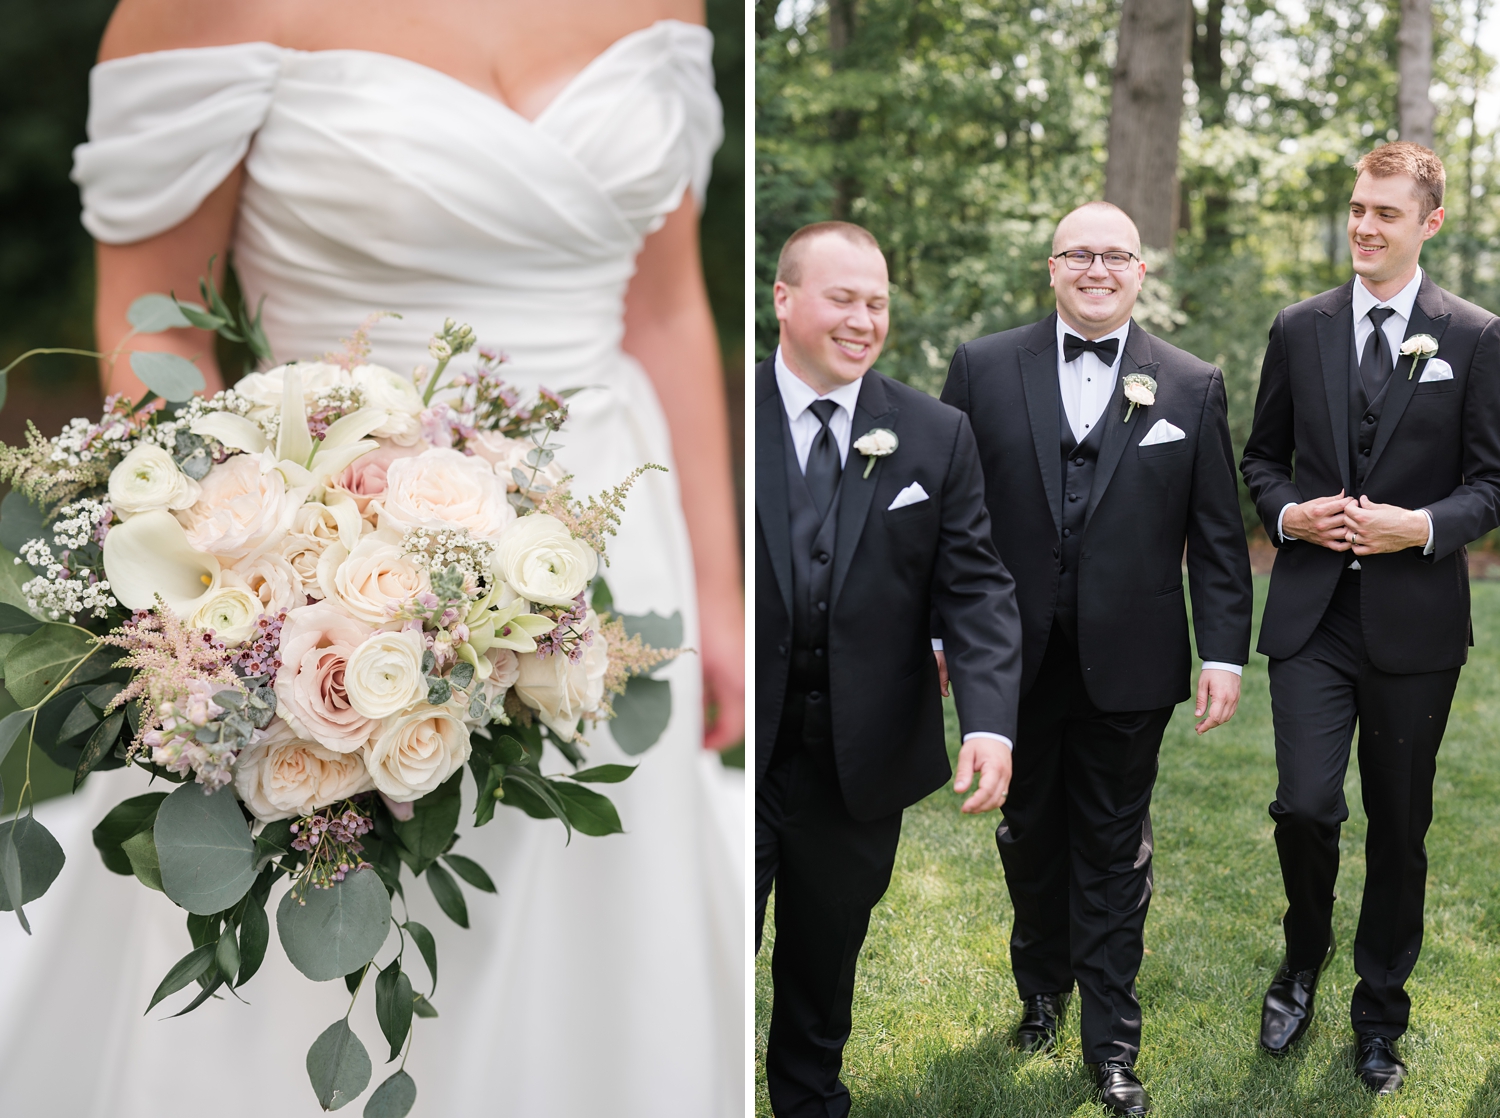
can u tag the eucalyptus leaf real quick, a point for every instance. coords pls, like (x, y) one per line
(36, 665)
(604, 774)
(124, 820)
(393, 1006)
(100, 742)
(654, 630)
(13, 619)
(471, 871)
(207, 854)
(338, 929)
(255, 934)
(140, 850)
(196, 962)
(601, 599)
(173, 378)
(427, 946)
(39, 860)
(422, 1007)
(82, 719)
(450, 897)
(590, 812)
(13, 728)
(394, 1098)
(11, 885)
(151, 314)
(641, 714)
(338, 1066)
(20, 522)
(227, 954)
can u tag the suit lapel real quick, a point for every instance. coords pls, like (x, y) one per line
(1335, 325)
(1038, 357)
(770, 479)
(857, 491)
(1427, 317)
(1117, 432)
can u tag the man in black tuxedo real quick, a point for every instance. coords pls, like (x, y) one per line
(1371, 467)
(870, 517)
(1105, 452)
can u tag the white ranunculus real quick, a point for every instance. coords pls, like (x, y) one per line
(412, 753)
(373, 579)
(285, 777)
(274, 581)
(264, 390)
(443, 489)
(397, 397)
(384, 676)
(230, 610)
(242, 510)
(147, 479)
(560, 691)
(541, 561)
(150, 554)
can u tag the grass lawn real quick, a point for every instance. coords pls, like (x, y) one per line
(935, 1001)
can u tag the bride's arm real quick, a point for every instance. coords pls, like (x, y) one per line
(670, 331)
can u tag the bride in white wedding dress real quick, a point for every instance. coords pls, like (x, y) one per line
(535, 171)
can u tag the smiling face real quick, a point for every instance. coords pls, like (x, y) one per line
(1096, 301)
(1386, 231)
(834, 319)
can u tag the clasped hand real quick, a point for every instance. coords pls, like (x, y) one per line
(1342, 523)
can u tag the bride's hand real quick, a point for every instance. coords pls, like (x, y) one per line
(723, 641)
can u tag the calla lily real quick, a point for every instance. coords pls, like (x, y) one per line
(149, 555)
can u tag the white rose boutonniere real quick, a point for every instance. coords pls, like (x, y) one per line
(1140, 390)
(1418, 347)
(876, 443)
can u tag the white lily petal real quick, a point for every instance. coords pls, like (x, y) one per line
(294, 443)
(346, 513)
(234, 431)
(149, 554)
(328, 464)
(355, 425)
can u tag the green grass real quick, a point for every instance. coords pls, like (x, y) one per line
(935, 1001)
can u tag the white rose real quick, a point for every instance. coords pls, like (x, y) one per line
(560, 691)
(373, 580)
(443, 489)
(508, 454)
(147, 479)
(413, 753)
(384, 676)
(264, 390)
(230, 610)
(314, 526)
(877, 443)
(283, 777)
(241, 511)
(397, 397)
(275, 582)
(541, 561)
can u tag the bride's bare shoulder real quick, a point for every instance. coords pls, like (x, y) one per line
(139, 26)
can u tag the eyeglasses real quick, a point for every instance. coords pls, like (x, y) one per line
(1079, 260)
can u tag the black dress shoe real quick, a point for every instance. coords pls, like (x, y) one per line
(1120, 1091)
(1378, 1066)
(1288, 1008)
(1041, 1018)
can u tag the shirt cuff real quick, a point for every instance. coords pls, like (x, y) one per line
(1279, 533)
(937, 644)
(987, 734)
(1220, 666)
(1431, 535)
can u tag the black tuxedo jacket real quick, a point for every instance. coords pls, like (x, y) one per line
(1147, 503)
(1437, 447)
(892, 568)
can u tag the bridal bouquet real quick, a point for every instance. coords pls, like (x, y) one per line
(311, 602)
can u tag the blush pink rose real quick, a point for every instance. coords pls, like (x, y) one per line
(316, 643)
(364, 479)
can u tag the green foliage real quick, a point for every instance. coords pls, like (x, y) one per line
(338, 1066)
(392, 1099)
(641, 714)
(334, 931)
(393, 1006)
(38, 857)
(207, 854)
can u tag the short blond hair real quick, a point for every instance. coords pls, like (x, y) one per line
(789, 264)
(1406, 158)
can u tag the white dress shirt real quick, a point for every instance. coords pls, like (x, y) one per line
(1395, 333)
(1087, 383)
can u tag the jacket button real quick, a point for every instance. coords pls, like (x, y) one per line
(1078, 461)
(823, 607)
(814, 696)
(1366, 452)
(1369, 419)
(822, 557)
(1067, 532)
(818, 652)
(1072, 496)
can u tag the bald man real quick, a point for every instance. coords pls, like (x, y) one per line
(1105, 454)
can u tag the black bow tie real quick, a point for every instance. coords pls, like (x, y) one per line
(1075, 347)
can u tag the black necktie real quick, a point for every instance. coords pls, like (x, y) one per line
(1376, 363)
(1075, 347)
(823, 463)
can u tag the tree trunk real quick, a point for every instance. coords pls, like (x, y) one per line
(1414, 109)
(1213, 98)
(1145, 116)
(843, 124)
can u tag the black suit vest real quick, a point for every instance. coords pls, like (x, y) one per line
(1079, 460)
(1364, 419)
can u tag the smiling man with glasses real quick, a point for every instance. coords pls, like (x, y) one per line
(1105, 454)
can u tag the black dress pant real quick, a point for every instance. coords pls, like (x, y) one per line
(1317, 697)
(829, 870)
(1076, 846)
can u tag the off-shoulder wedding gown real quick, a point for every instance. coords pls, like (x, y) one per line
(606, 979)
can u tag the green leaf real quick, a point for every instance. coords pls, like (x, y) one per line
(123, 820)
(140, 850)
(227, 954)
(536, 796)
(602, 600)
(422, 1007)
(484, 805)
(151, 314)
(641, 714)
(82, 719)
(450, 897)
(11, 885)
(338, 1066)
(508, 751)
(16, 620)
(39, 859)
(427, 946)
(207, 854)
(653, 629)
(172, 378)
(197, 316)
(255, 934)
(100, 742)
(353, 979)
(204, 929)
(338, 929)
(13, 727)
(394, 1098)
(434, 819)
(393, 1006)
(198, 961)
(12, 574)
(471, 871)
(36, 665)
(207, 992)
(590, 812)
(274, 840)
(604, 774)
(20, 522)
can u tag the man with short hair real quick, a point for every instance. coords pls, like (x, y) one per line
(870, 518)
(1374, 458)
(1105, 453)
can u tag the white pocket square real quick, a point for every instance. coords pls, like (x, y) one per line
(1435, 368)
(1163, 432)
(908, 496)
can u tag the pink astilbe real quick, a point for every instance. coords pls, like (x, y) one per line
(628, 656)
(166, 658)
(357, 347)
